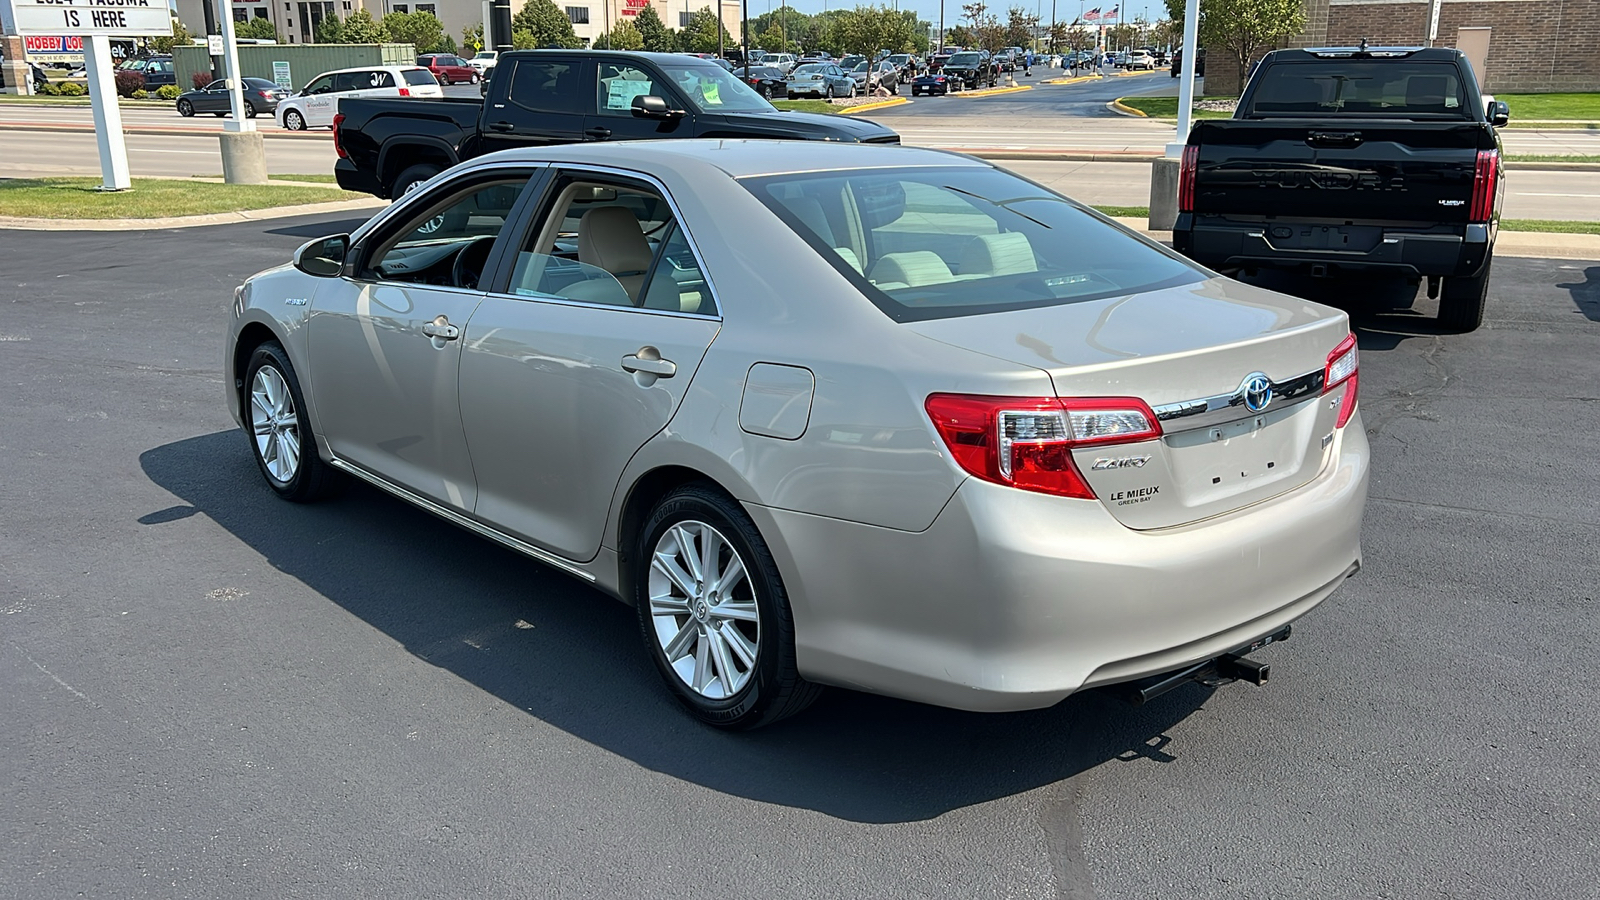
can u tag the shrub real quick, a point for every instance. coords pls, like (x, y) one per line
(49, 90)
(128, 82)
(199, 80)
(168, 92)
(141, 94)
(71, 89)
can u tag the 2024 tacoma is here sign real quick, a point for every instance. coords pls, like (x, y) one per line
(80, 17)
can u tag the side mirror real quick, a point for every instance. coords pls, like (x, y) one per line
(1499, 113)
(323, 257)
(649, 106)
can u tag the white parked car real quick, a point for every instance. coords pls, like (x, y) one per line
(315, 105)
(484, 61)
(1140, 59)
(783, 62)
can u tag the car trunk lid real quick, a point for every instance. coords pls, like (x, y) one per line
(1204, 356)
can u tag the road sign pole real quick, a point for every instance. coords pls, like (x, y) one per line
(244, 156)
(107, 114)
(1191, 62)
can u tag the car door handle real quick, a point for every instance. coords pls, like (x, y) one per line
(442, 329)
(501, 126)
(598, 134)
(648, 361)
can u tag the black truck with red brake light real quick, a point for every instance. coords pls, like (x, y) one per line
(1347, 160)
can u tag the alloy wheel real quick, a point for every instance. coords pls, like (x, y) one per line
(276, 424)
(703, 609)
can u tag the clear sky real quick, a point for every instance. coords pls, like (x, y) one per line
(1065, 10)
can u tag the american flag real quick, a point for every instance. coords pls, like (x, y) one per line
(1092, 15)
(1110, 16)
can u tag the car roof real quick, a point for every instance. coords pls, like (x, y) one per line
(738, 158)
(364, 69)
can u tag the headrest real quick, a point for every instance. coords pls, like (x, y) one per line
(998, 254)
(916, 267)
(609, 237)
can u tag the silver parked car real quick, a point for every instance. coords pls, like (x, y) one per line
(877, 417)
(820, 79)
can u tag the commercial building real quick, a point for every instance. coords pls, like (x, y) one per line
(297, 20)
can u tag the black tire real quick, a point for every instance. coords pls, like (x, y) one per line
(827, 93)
(411, 178)
(294, 121)
(775, 689)
(444, 79)
(185, 108)
(766, 92)
(895, 90)
(312, 479)
(1462, 300)
(249, 110)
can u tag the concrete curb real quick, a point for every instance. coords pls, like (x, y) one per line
(881, 104)
(991, 92)
(1073, 80)
(245, 215)
(1118, 107)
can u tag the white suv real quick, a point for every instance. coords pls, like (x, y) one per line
(316, 104)
(783, 62)
(1140, 59)
(483, 61)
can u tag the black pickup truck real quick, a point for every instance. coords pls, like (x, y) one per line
(1352, 160)
(537, 97)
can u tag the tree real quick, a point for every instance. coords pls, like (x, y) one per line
(258, 29)
(472, 38)
(624, 35)
(360, 28)
(703, 32)
(985, 31)
(545, 24)
(329, 31)
(654, 32)
(959, 36)
(1020, 26)
(422, 30)
(772, 40)
(1059, 36)
(1242, 28)
(180, 38)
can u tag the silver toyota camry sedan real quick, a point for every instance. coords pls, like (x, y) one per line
(883, 418)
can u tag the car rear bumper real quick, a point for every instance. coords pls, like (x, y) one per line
(1013, 600)
(1223, 244)
(353, 179)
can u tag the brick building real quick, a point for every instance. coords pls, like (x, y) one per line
(1534, 45)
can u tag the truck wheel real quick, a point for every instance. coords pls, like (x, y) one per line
(1461, 303)
(411, 179)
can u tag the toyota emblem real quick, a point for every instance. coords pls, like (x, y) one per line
(1257, 392)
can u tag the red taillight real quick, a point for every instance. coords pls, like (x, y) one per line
(338, 145)
(1484, 181)
(1027, 442)
(1343, 366)
(405, 92)
(265, 95)
(1191, 160)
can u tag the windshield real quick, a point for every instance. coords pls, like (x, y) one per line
(899, 59)
(1363, 88)
(861, 66)
(487, 54)
(812, 69)
(933, 243)
(964, 59)
(714, 89)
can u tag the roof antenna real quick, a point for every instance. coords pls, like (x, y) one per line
(1363, 45)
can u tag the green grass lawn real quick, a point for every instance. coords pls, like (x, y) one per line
(1125, 212)
(1550, 225)
(1581, 107)
(1167, 107)
(150, 198)
(313, 179)
(1551, 157)
(810, 106)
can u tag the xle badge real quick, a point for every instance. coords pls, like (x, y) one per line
(1137, 495)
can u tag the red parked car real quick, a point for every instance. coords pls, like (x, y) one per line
(449, 69)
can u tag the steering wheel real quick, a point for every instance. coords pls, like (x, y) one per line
(468, 266)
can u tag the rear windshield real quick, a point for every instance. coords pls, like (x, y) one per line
(1397, 88)
(935, 243)
(419, 76)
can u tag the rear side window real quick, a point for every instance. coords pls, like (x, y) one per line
(547, 85)
(419, 76)
(927, 243)
(1396, 88)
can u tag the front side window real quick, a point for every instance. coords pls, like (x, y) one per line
(619, 83)
(712, 88)
(939, 243)
(447, 242)
(1401, 89)
(320, 85)
(613, 245)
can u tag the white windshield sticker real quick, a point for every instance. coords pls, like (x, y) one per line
(620, 92)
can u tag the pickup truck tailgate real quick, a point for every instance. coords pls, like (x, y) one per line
(1350, 171)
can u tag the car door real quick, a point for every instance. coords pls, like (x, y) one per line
(611, 117)
(580, 356)
(318, 102)
(214, 98)
(543, 101)
(385, 341)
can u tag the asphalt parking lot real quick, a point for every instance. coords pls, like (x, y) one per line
(208, 692)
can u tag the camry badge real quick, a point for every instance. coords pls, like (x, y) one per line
(1257, 390)
(1120, 462)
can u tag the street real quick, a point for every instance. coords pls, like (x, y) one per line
(209, 692)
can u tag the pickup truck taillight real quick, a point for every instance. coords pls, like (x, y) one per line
(338, 146)
(1027, 442)
(1191, 160)
(1342, 367)
(1484, 182)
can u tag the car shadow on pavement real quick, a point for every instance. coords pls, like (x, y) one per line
(572, 657)
(1586, 293)
(1383, 310)
(321, 228)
